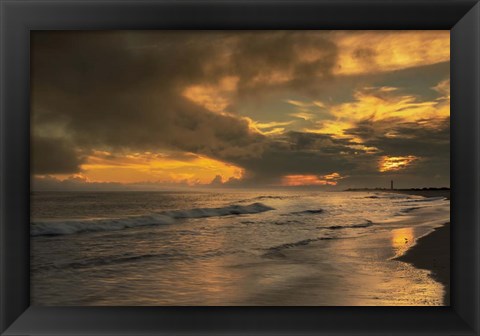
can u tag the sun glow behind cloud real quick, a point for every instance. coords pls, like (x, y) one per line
(311, 180)
(394, 163)
(171, 168)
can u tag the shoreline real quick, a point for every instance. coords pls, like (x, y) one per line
(431, 252)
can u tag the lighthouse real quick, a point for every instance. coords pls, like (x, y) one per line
(391, 184)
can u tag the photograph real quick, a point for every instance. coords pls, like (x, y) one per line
(240, 168)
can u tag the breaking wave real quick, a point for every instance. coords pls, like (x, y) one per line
(354, 226)
(267, 197)
(55, 228)
(124, 259)
(276, 251)
(388, 195)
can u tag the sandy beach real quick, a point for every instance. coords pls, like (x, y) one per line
(432, 252)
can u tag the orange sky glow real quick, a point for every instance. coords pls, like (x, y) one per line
(305, 180)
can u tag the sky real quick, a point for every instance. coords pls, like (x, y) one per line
(147, 110)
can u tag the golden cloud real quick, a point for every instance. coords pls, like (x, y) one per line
(386, 104)
(311, 180)
(394, 163)
(368, 52)
(215, 98)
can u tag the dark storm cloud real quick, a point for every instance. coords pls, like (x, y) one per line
(430, 146)
(406, 138)
(267, 55)
(123, 90)
(49, 183)
(320, 154)
(50, 155)
(300, 153)
(276, 163)
(323, 143)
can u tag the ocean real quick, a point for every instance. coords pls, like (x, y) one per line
(232, 248)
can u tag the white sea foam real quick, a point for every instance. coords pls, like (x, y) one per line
(427, 199)
(215, 212)
(55, 227)
(387, 195)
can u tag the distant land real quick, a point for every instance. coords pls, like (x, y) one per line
(425, 192)
(389, 189)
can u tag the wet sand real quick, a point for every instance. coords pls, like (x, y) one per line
(432, 252)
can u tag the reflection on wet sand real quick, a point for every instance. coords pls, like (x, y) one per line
(343, 272)
(402, 239)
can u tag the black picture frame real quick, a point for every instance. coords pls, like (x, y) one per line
(19, 17)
